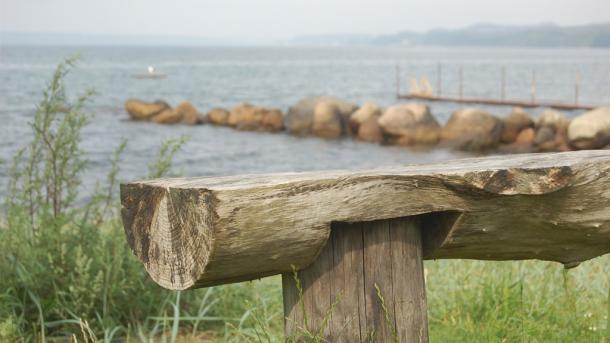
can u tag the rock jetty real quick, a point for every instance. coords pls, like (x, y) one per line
(410, 124)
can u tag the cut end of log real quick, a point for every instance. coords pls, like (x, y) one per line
(169, 231)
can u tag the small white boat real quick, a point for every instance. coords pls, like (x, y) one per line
(151, 73)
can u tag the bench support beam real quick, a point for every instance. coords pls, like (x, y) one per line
(367, 284)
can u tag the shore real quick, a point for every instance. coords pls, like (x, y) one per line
(408, 124)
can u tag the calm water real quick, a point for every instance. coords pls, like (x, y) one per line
(210, 77)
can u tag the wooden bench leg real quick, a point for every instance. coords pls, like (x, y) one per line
(366, 285)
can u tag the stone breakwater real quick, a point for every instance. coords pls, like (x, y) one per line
(410, 124)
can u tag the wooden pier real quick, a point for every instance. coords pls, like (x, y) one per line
(499, 102)
(428, 95)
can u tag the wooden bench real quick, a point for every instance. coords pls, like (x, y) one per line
(358, 238)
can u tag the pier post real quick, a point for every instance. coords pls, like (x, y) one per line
(397, 81)
(503, 85)
(577, 88)
(533, 86)
(461, 83)
(439, 80)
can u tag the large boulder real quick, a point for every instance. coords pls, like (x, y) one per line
(472, 129)
(526, 136)
(299, 119)
(167, 116)
(244, 115)
(554, 120)
(141, 110)
(552, 131)
(370, 131)
(327, 120)
(410, 124)
(364, 113)
(248, 117)
(517, 121)
(273, 119)
(188, 113)
(218, 116)
(590, 130)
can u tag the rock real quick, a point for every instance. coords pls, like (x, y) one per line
(411, 124)
(327, 120)
(167, 116)
(299, 119)
(420, 136)
(365, 112)
(514, 124)
(140, 110)
(218, 116)
(189, 113)
(273, 120)
(244, 115)
(370, 131)
(248, 117)
(544, 134)
(590, 130)
(553, 119)
(526, 136)
(472, 129)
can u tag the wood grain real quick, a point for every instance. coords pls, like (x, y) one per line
(367, 285)
(196, 232)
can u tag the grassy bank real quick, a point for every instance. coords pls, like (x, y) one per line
(66, 271)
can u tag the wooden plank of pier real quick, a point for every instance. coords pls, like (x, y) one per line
(499, 102)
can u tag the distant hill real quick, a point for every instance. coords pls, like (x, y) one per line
(542, 35)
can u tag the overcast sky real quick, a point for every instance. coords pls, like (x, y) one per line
(276, 19)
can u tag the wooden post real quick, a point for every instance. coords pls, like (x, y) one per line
(533, 86)
(577, 88)
(461, 85)
(397, 81)
(439, 80)
(367, 284)
(503, 86)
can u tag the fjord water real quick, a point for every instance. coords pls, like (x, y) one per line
(278, 77)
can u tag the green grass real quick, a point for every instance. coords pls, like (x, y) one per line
(66, 270)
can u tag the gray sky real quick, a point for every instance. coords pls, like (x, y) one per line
(276, 19)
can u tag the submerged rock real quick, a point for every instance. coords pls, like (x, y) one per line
(472, 129)
(141, 110)
(590, 130)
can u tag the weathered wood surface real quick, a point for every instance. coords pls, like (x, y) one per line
(195, 232)
(339, 300)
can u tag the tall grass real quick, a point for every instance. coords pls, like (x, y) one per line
(66, 272)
